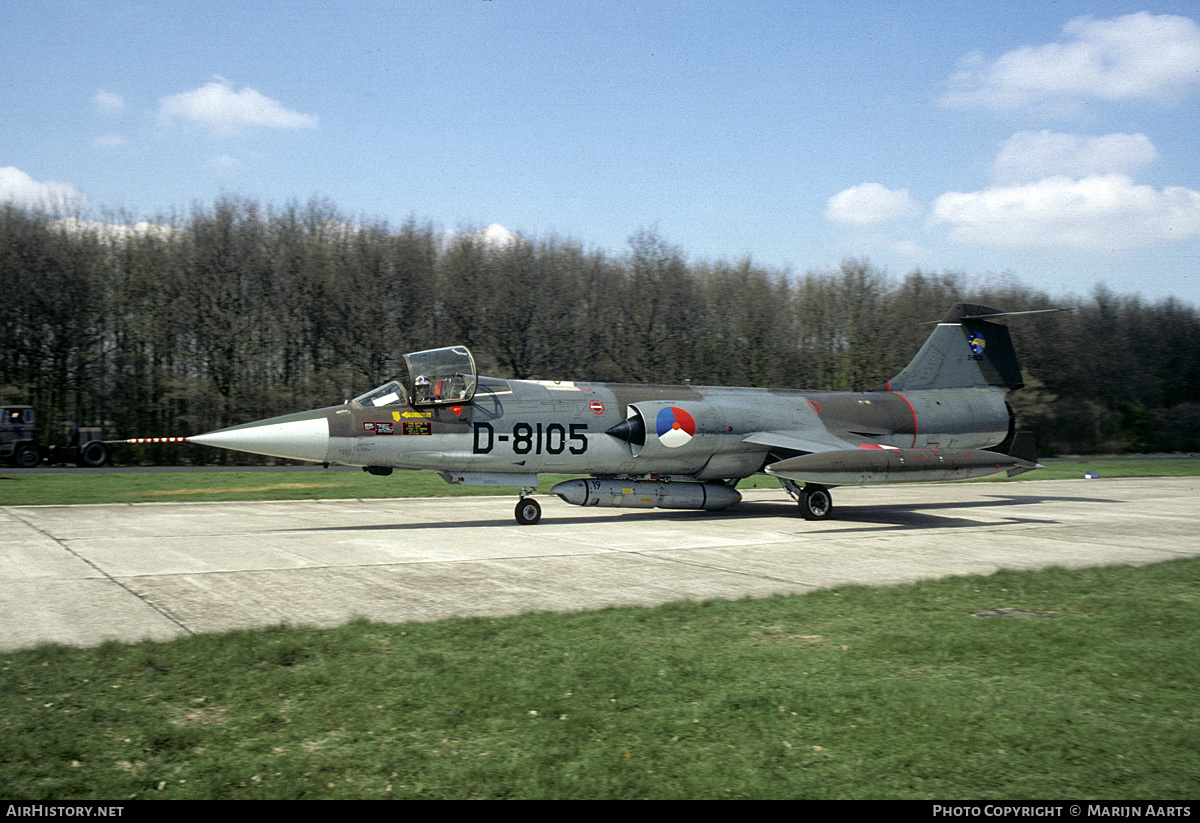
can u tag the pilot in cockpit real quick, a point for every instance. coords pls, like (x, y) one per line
(424, 389)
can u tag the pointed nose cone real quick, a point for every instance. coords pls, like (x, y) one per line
(632, 431)
(303, 436)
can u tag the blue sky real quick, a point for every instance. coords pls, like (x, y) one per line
(1054, 143)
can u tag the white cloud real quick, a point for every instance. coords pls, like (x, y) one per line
(494, 236)
(109, 103)
(497, 235)
(19, 188)
(1142, 57)
(217, 107)
(1031, 155)
(114, 231)
(1097, 213)
(870, 203)
(109, 141)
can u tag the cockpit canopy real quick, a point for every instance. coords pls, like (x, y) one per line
(437, 377)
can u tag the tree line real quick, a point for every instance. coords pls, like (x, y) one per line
(237, 311)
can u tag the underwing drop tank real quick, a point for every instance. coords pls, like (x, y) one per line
(646, 494)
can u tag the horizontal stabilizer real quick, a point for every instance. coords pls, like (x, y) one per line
(972, 311)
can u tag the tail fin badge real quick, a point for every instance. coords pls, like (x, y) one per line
(977, 343)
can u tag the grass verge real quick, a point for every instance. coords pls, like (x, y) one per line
(33, 489)
(1088, 689)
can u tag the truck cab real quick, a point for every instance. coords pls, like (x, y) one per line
(18, 444)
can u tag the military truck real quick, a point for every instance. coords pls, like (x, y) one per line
(19, 445)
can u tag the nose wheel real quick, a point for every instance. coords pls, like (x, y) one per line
(529, 511)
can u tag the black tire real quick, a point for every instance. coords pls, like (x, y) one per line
(93, 455)
(816, 503)
(529, 511)
(26, 456)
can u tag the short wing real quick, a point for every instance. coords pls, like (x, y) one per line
(805, 441)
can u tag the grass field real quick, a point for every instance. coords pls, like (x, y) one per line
(1060, 684)
(33, 488)
(1090, 690)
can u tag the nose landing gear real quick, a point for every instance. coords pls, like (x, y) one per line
(529, 511)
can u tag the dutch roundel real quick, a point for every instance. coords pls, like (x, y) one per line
(675, 427)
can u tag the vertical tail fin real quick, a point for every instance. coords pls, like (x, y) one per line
(965, 351)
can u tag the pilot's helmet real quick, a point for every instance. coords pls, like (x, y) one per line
(422, 381)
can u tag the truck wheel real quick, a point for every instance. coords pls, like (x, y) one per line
(26, 456)
(93, 455)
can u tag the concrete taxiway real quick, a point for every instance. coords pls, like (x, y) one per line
(82, 574)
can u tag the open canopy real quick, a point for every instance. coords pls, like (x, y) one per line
(437, 377)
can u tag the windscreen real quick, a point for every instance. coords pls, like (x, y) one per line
(389, 394)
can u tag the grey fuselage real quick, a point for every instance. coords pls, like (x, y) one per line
(935, 420)
(523, 427)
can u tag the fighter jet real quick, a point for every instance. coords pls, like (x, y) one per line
(673, 447)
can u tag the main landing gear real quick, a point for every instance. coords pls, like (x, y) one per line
(529, 511)
(816, 503)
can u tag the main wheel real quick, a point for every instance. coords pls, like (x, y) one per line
(26, 456)
(816, 503)
(529, 511)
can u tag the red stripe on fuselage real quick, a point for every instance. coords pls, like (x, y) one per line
(914, 414)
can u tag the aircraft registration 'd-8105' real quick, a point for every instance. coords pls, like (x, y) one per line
(674, 447)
